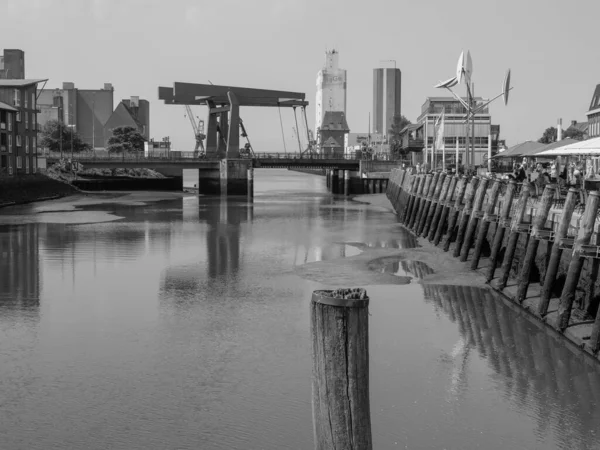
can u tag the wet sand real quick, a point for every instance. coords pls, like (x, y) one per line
(68, 210)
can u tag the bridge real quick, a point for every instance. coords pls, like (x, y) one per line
(165, 162)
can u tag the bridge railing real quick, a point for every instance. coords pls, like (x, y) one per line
(102, 156)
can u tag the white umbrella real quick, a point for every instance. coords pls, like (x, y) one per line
(591, 147)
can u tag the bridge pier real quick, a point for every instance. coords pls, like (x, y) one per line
(231, 177)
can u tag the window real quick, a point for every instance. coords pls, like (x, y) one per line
(33, 145)
(18, 158)
(27, 144)
(10, 119)
(26, 120)
(26, 101)
(10, 143)
(18, 140)
(18, 116)
(26, 165)
(16, 98)
(33, 165)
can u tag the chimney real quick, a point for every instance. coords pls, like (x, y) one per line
(559, 130)
(108, 87)
(573, 123)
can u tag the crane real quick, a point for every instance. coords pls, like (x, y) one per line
(198, 131)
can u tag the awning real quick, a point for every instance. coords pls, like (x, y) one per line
(591, 147)
(526, 148)
(554, 145)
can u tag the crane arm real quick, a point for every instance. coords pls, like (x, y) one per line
(190, 115)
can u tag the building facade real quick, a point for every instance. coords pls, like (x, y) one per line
(131, 112)
(12, 64)
(331, 89)
(455, 130)
(593, 114)
(332, 133)
(85, 110)
(387, 86)
(21, 146)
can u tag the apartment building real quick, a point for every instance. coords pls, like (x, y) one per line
(18, 126)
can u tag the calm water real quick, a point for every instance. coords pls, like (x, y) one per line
(184, 326)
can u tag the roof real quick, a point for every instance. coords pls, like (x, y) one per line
(589, 147)
(557, 144)
(331, 142)
(130, 112)
(581, 126)
(7, 107)
(523, 149)
(595, 102)
(21, 83)
(334, 120)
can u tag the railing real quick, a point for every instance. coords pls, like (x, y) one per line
(102, 156)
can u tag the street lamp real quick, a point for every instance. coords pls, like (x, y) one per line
(464, 71)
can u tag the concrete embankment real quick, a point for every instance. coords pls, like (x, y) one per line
(31, 188)
(541, 251)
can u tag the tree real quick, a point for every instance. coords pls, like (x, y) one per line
(399, 122)
(574, 133)
(125, 139)
(549, 136)
(51, 138)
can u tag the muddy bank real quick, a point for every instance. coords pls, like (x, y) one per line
(31, 188)
(71, 209)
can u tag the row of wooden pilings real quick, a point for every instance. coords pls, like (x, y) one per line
(537, 248)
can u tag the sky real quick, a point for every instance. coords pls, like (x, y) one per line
(551, 48)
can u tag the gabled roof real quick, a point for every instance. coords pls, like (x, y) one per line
(595, 102)
(7, 107)
(581, 126)
(21, 83)
(331, 142)
(334, 120)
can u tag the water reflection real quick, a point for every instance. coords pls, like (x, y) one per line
(538, 374)
(19, 267)
(401, 267)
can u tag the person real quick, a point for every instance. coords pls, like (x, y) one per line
(553, 172)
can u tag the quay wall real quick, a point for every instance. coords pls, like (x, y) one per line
(560, 289)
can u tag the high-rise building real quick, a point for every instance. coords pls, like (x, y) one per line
(86, 110)
(331, 89)
(387, 84)
(12, 64)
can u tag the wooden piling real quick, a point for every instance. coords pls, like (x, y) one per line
(446, 204)
(339, 322)
(455, 213)
(439, 205)
(434, 202)
(584, 236)
(423, 217)
(538, 224)
(513, 238)
(421, 200)
(485, 222)
(476, 214)
(503, 224)
(556, 254)
(466, 215)
(412, 198)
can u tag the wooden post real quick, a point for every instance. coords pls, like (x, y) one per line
(412, 198)
(466, 215)
(586, 229)
(439, 232)
(462, 189)
(485, 224)
(434, 202)
(538, 224)
(556, 254)
(474, 220)
(423, 217)
(503, 223)
(440, 199)
(513, 238)
(339, 322)
(422, 196)
(400, 196)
